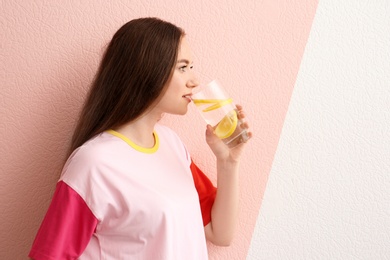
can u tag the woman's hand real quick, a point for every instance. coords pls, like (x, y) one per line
(221, 150)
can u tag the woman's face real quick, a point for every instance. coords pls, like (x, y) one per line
(178, 94)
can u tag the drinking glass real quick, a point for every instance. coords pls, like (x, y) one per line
(218, 109)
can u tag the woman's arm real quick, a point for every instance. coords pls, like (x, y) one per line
(224, 213)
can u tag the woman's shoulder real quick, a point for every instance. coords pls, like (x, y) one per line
(88, 160)
(94, 150)
(169, 139)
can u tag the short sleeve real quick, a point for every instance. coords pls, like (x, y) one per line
(67, 227)
(206, 192)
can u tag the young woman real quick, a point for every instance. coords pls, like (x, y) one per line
(129, 189)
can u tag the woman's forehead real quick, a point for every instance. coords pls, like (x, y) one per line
(185, 52)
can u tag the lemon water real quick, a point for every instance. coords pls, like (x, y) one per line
(222, 115)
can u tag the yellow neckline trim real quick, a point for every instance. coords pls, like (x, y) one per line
(135, 146)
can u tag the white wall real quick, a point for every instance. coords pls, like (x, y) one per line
(328, 194)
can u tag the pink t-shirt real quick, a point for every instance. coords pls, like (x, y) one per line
(116, 200)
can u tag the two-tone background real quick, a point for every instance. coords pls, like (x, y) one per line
(313, 76)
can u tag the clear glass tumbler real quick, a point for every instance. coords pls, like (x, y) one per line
(219, 110)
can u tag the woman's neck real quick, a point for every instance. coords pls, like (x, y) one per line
(140, 131)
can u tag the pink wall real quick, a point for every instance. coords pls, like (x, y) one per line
(50, 51)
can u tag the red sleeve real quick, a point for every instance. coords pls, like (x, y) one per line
(206, 192)
(67, 227)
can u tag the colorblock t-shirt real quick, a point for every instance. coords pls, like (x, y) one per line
(116, 200)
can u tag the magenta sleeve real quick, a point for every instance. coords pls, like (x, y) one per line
(67, 227)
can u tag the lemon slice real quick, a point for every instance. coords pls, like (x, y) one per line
(207, 101)
(215, 103)
(227, 125)
(218, 105)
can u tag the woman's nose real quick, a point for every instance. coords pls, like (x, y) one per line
(192, 83)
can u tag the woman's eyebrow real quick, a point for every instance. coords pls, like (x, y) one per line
(183, 61)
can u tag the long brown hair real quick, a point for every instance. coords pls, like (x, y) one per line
(134, 70)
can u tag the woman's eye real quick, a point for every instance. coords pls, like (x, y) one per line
(185, 67)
